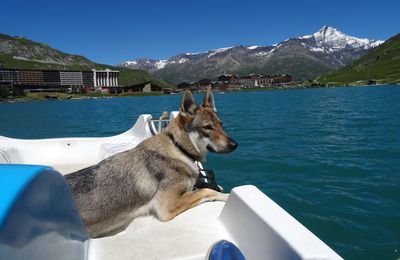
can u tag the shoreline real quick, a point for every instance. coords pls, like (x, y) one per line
(45, 96)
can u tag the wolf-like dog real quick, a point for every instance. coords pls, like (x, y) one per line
(157, 176)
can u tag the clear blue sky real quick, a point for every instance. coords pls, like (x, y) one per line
(113, 31)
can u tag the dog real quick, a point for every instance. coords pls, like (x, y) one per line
(157, 176)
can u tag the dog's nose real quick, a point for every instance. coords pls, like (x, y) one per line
(233, 144)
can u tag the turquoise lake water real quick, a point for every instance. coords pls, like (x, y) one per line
(330, 157)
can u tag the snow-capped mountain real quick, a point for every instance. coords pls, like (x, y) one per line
(304, 57)
(329, 39)
(339, 47)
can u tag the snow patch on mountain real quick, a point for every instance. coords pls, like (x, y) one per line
(253, 47)
(217, 51)
(183, 60)
(161, 64)
(262, 53)
(130, 62)
(195, 53)
(305, 37)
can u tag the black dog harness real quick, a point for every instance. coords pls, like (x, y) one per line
(206, 179)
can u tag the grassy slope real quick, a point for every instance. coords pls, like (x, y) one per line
(381, 64)
(299, 66)
(127, 76)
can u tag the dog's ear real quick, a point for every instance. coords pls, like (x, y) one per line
(189, 105)
(209, 100)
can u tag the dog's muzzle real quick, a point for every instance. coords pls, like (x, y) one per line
(229, 147)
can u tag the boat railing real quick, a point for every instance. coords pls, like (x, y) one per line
(157, 125)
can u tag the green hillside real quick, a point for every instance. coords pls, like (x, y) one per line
(380, 65)
(21, 53)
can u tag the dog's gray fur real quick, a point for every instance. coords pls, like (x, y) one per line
(154, 178)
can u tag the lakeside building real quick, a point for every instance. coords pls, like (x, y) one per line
(265, 80)
(228, 82)
(249, 81)
(71, 78)
(51, 77)
(281, 80)
(88, 80)
(203, 84)
(145, 87)
(8, 76)
(59, 80)
(104, 79)
(259, 80)
(29, 77)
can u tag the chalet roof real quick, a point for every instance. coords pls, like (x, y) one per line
(184, 84)
(140, 84)
(204, 82)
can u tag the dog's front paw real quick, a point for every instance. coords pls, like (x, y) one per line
(223, 196)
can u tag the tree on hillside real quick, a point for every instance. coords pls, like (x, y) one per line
(4, 92)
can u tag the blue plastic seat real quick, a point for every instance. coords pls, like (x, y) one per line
(38, 217)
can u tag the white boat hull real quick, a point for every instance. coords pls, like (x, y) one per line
(252, 221)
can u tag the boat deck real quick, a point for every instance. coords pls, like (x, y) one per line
(188, 236)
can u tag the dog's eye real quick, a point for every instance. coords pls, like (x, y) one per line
(208, 127)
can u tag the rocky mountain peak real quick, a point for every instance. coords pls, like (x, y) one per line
(329, 39)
